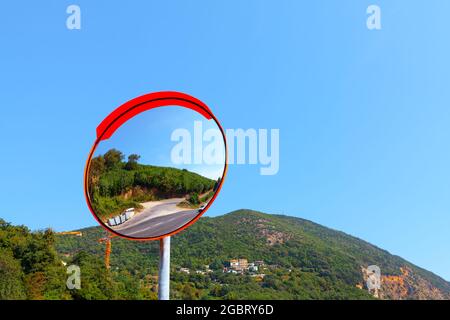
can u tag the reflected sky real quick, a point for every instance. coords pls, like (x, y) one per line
(149, 135)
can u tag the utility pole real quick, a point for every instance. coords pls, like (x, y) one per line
(164, 269)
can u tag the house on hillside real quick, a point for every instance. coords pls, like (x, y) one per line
(259, 263)
(185, 270)
(252, 267)
(238, 265)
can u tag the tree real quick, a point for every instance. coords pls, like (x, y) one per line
(96, 279)
(11, 277)
(97, 166)
(132, 161)
(193, 198)
(217, 184)
(189, 293)
(113, 159)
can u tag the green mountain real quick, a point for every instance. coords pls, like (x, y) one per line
(296, 259)
(302, 260)
(115, 185)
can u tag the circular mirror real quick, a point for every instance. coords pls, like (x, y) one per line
(154, 172)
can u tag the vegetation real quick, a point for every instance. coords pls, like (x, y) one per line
(31, 268)
(194, 200)
(116, 185)
(323, 263)
(206, 197)
(303, 261)
(29, 265)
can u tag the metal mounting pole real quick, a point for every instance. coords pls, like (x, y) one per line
(164, 269)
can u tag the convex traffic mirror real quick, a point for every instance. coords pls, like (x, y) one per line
(157, 165)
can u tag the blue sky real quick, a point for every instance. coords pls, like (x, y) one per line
(363, 115)
(153, 135)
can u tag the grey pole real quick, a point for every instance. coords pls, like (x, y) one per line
(164, 269)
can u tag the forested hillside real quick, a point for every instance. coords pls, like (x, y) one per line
(115, 184)
(303, 260)
(29, 265)
(298, 260)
